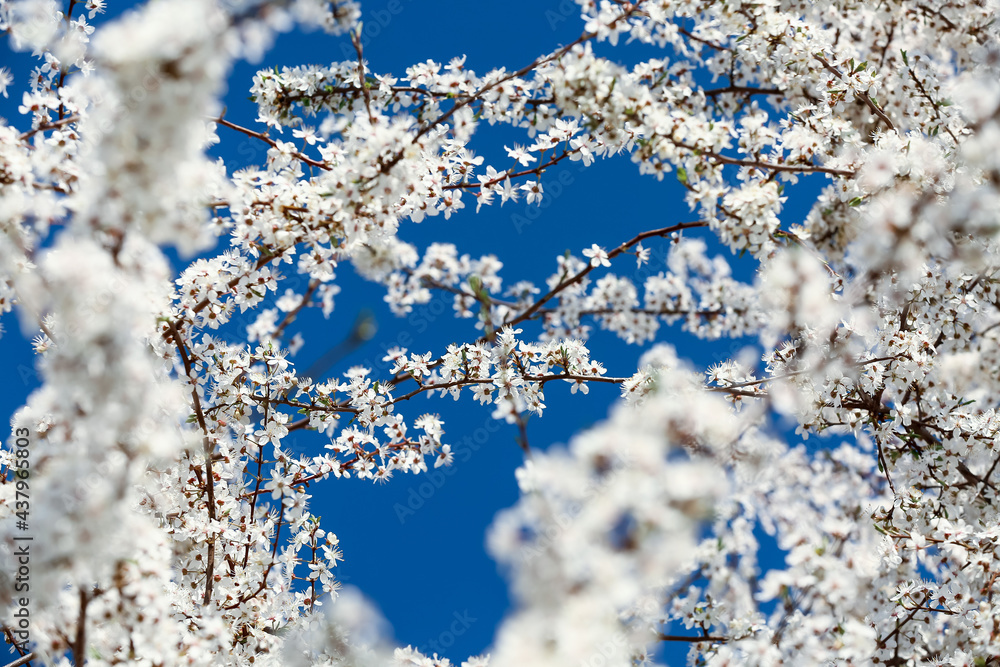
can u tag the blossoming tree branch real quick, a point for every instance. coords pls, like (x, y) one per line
(171, 524)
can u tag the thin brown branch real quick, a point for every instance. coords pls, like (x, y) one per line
(292, 314)
(270, 565)
(80, 641)
(566, 282)
(934, 12)
(258, 478)
(702, 40)
(864, 96)
(647, 311)
(760, 164)
(356, 41)
(44, 127)
(692, 640)
(23, 660)
(930, 100)
(463, 382)
(270, 142)
(522, 433)
(885, 466)
(208, 448)
(351, 91)
(9, 635)
(737, 392)
(537, 171)
(774, 166)
(743, 90)
(901, 625)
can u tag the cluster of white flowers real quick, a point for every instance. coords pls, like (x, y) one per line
(173, 524)
(697, 290)
(602, 528)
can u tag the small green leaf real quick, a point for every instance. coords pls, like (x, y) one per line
(906, 61)
(682, 175)
(856, 201)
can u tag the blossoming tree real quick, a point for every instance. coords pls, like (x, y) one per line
(171, 526)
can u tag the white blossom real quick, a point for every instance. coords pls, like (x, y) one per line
(822, 493)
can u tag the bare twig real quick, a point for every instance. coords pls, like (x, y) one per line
(207, 443)
(50, 126)
(691, 640)
(356, 41)
(23, 660)
(930, 100)
(292, 314)
(566, 282)
(537, 171)
(773, 166)
(743, 90)
(270, 142)
(80, 641)
(702, 40)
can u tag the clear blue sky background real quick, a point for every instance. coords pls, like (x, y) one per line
(425, 566)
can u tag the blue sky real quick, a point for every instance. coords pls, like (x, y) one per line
(415, 545)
